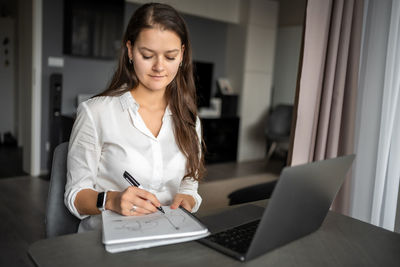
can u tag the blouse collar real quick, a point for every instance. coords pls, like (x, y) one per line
(128, 101)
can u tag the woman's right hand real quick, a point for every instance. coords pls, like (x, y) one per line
(133, 201)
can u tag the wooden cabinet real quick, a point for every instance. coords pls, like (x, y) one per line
(221, 139)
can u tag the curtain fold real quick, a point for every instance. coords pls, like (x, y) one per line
(347, 132)
(326, 103)
(308, 92)
(344, 107)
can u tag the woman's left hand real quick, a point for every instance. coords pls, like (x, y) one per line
(186, 201)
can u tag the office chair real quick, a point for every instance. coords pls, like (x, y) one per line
(59, 221)
(277, 130)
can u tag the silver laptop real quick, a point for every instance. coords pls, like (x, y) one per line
(297, 207)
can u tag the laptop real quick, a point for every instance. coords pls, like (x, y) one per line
(298, 206)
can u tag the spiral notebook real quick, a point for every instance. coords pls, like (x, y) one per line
(122, 233)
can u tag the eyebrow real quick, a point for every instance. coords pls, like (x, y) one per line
(168, 51)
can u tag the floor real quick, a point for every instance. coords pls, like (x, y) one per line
(22, 212)
(23, 202)
(234, 170)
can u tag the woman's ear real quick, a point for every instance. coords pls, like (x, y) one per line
(130, 52)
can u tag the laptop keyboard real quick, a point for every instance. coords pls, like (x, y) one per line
(237, 239)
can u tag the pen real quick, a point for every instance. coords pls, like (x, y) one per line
(132, 181)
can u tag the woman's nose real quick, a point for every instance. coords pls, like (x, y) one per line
(158, 65)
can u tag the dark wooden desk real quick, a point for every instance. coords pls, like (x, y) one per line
(341, 241)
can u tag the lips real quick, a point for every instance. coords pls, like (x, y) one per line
(156, 76)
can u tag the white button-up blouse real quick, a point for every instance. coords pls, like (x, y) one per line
(110, 137)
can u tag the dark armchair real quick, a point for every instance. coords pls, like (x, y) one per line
(277, 130)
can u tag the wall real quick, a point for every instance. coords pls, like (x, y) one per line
(209, 40)
(24, 75)
(288, 46)
(286, 64)
(221, 10)
(291, 13)
(8, 73)
(7, 78)
(83, 75)
(258, 30)
(79, 75)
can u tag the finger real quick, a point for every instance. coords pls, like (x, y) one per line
(176, 203)
(137, 211)
(185, 204)
(138, 193)
(145, 205)
(133, 210)
(148, 196)
(130, 212)
(142, 206)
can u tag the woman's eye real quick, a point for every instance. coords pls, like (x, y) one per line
(170, 58)
(146, 57)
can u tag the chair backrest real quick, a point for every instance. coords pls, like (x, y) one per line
(59, 221)
(279, 122)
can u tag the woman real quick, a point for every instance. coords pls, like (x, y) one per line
(145, 123)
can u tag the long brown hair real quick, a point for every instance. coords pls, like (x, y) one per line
(180, 93)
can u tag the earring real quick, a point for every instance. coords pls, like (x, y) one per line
(180, 64)
(130, 61)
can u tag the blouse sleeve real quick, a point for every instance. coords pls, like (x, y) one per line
(83, 158)
(189, 186)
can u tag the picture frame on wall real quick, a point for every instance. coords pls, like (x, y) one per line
(93, 28)
(224, 86)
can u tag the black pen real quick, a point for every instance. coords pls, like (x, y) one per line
(132, 181)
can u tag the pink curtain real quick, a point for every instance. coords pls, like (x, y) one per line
(327, 88)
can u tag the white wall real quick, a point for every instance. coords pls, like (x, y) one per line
(258, 30)
(236, 45)
(35, 112)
